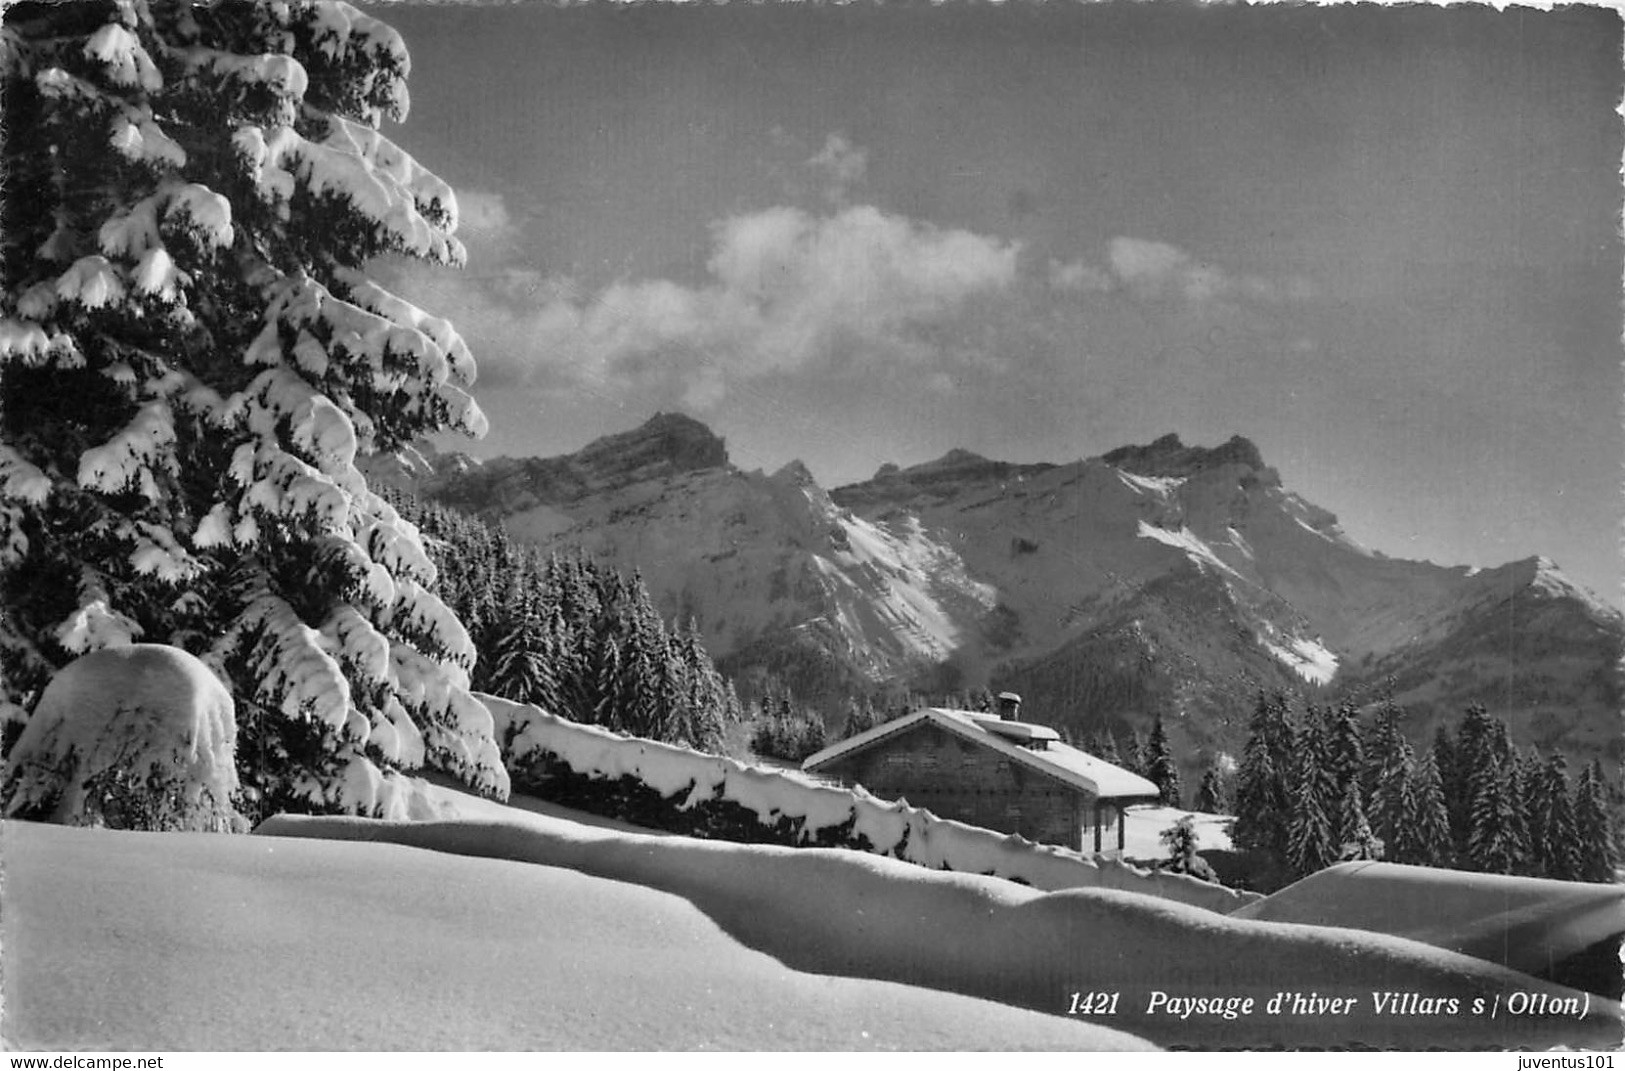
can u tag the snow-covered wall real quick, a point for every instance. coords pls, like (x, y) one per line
(690, 778)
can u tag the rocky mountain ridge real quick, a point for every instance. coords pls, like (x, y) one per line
(1161, 578)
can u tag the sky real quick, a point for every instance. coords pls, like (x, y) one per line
(1382, 243)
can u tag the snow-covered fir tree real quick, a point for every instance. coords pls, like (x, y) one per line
(1388, 779)
(1262, 797)
(1493, 841)
(524, 661)
(1497, 829)
(861, 716)
(1345, 751)
(1311, 833)
(1464, 762)
(1182, 842)
(192, 356)
(1423, 837)
(1161, 769)
(1554, 832)
(1354, 835)
(1212, 795)
(1599, 855)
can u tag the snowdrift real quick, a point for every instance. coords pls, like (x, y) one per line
(856, 915)
(1528, 924)
(895, 829)
(184, 941)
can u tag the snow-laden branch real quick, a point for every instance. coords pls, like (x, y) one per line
(381, 182)
(396, 544)
(293, 669)
(128, 459)
(34, 346)
(95, 625)
(352, 638)
(457, 727)
(368, 295)
(283, 75)
(157, 553)
(280, 485)
(123, 59)
(137, 138)
(20, 479)
(341, 33)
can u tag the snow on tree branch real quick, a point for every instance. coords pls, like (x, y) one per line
(95, 625)
(295, 670)
(199, 357)
(127, 460)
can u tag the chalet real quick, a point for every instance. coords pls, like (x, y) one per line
(990, 771)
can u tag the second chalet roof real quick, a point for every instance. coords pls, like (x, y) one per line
(1060, 760)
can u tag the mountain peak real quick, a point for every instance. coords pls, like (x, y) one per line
(1168, 456)
(666, 444)
(1542, 574)
(796, 473)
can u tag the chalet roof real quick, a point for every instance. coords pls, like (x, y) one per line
(1060, 760)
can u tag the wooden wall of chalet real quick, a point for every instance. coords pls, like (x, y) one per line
(955, 778)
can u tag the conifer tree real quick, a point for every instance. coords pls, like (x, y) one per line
(1599, 857)
(1401, 811)
(1354, 835)
(1425, 839)
(1262, 797)
(1554, 829)
(1345, 752)
(192, 357)
(1160, 767)
(1103, 745)
(1311, 836)
(610, 685)
(1463, 765)
(1384, 741)
(1515, 772)
(522, 668)
(1393, 799)
(1139, 753)
(1493, 844)
(1181, 841)
(1211, 795)
(860, 717)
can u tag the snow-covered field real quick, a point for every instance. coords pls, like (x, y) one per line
(527, 929)
(177, 941)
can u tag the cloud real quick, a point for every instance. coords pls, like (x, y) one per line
(785, 292)
(842, 164)
(481, 213)
(1078, 277)
(1141, 263)
(1156, 269)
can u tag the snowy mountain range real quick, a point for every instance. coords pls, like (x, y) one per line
(1159, 578)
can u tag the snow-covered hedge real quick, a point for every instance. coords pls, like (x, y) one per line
(669, 787)
(135, 737)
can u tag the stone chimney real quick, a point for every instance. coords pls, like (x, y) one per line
(1008, 706)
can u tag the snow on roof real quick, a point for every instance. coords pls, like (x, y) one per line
(1065, 763)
